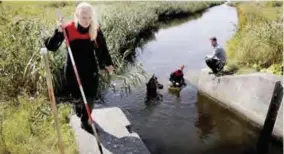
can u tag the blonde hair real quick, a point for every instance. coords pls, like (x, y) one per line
(94, 26)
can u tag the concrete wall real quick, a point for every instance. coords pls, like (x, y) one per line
(114, 135)
(248, 95)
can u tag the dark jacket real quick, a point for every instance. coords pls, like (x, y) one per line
(84, 51)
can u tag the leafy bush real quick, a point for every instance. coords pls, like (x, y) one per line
(258, 40)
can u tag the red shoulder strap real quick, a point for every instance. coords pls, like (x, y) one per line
(73, 34)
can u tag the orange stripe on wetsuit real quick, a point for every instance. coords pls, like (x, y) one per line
(73, 33)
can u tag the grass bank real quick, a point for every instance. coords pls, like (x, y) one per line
(25, 116)
(257, 45)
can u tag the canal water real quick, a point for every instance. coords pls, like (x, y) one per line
(192, 123)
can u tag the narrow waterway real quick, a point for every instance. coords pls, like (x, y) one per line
(191, 124)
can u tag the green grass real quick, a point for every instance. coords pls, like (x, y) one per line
(258, 42)
(25, 112)
(27, 127)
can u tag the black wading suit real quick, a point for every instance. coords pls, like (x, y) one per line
(84, 52)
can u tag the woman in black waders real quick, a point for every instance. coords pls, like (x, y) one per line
(85, 39)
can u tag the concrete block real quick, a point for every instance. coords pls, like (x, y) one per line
(249, 95)
(113, 134)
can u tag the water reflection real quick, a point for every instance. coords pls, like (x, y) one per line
(204, 121)
(178, 21)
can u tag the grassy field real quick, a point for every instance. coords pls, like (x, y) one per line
(257, 45)
(25, 114)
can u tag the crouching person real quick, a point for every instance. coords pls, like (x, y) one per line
(217, 60)
(176, 77)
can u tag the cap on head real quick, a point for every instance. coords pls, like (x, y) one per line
(213, 39)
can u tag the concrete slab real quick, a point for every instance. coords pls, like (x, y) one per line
(248, 95)
(114, 134)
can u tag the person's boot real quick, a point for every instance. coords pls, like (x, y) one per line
(78, 110)
(86, 126)
(85, 123)
(78, 105)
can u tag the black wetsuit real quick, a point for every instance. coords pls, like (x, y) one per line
(86, 53)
